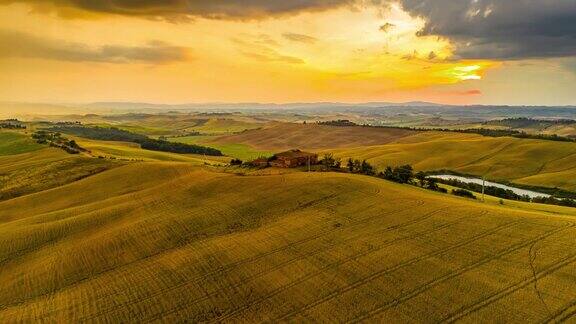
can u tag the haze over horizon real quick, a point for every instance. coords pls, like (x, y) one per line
(350, 51)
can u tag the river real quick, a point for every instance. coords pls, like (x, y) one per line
(517, 191)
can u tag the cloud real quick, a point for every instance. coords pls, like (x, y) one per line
(273, 56)
(501, 29)
(185, 9)
(17, 44)
(300, 38)
(254, 47)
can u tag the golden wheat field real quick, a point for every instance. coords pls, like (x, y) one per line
(171, 242)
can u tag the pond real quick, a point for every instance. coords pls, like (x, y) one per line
(517, 191)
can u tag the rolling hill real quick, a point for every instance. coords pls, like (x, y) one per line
(30, 172)
(524, 161)
(284, 136)
(13, 142)
(170, 242)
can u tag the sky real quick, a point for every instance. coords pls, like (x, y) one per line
(520, 52)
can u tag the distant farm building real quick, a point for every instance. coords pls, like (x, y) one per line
(293, 158)
(260, 162)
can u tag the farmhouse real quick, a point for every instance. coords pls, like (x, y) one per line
(260, 162)
(293, 158)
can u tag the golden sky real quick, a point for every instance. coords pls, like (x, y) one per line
(342, 53)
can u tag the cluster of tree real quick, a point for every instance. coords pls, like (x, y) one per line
(339, 122)
(101, 133)
(362, 167)
(175, 147)
(69, 123)
(55, 139)
(400, 174)
(329, 162)
(489, 190)
(12, 123)
(522, 122)
(115, 134)
(552, 137)
(236, 162)
(463, 193)
(12, 126)
(555, 201)
(429, 183)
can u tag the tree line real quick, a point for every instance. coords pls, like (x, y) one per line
(145, 142)
(528, 122)
(339, 122)
(12, 123)
(55, 139)
(488, 132)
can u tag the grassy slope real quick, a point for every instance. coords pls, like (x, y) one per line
(241, 151)
(12, 142)
(224, 125)
(283, 136)
(167, 241)
(125, 150)
(25, 173)
(526, 161)
(154, 125)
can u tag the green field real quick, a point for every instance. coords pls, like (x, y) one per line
(225, 126)
(172, 242)
(240, 151)
(15, 143)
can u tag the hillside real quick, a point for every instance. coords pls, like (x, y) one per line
(283, 136)
(525, 161)
(126, 150)
(46, 168)
(12, 142)
(172, 242)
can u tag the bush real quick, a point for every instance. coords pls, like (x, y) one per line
(236, 162)
(463, 193)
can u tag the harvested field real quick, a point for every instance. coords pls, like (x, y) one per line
(171, 242)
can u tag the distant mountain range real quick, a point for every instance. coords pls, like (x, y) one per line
(287, 106)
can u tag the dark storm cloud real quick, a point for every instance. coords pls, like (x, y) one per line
(17, 44)
(501, 29)
(182, 9)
